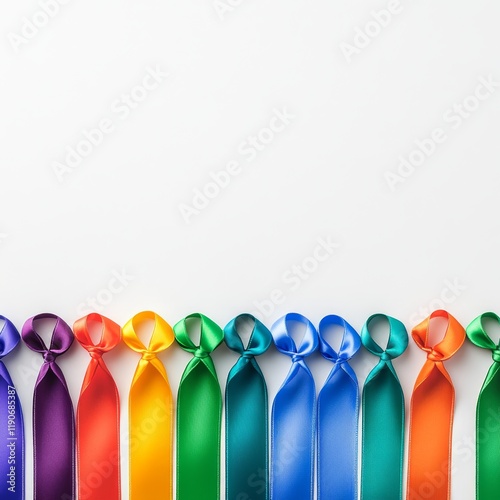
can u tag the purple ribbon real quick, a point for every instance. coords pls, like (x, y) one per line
(11, 422)
(53, 417)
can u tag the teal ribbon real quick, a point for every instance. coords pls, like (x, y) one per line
(247, 415)
(383, 417)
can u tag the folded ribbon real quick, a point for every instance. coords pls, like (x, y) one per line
(294, 415)
(338, 404)
(53, 417)
(199, 413)
(11, 422)
(431, 419)
(488, 410)
(383, 416)
(98, 416)
(150, 412)
(246, 415)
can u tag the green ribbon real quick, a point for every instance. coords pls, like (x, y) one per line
(487, 415)
(247, 449)
(199, 412)
(383, 417)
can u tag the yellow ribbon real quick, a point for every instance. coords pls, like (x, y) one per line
(150, 412)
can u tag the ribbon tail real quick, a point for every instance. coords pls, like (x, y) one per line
(383, 436)
(12, 436)
(488, 436)
(338, 438)
(429, 456)
(292, 445)
(151, 442)
(98, 421)
(246, 434)
(53, 435)
(199, 413)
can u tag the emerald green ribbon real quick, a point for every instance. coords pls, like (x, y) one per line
(247, 415)
(487, 415)
(199, 412)
(383, 417)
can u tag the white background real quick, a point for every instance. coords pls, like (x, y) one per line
(323, 176)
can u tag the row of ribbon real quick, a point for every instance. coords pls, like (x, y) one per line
(303, 427)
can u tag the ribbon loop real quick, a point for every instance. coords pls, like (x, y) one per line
(199, 413)
(338, 404)
(294, 415)
(247, 414)
(433, 399)
(53, 418)
(488, 405)
(98, 414)
(150, 400)
(383, 416)
(11, 422)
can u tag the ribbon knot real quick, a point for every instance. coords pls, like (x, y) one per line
(496, 355)
(247, 355)
(434, 356)
(297, 357)
(49, 357)
(200, 353)
(385, 356)
(95, 353)
(148, 356)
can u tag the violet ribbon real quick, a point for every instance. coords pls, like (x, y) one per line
(53, 415)
(11, 422)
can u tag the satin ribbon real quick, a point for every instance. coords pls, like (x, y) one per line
(487, 414)
(150, 412)
(53, 417)
(338, 404)
(383, 416)
(11, 422)
(246, 415)
(199, 412)
(431, 420)
(98, 416)
(294, 416)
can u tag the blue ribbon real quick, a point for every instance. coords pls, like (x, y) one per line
(294, 416)
(338, 405)
(11, 422)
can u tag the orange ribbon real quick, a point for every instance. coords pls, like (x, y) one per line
(431, 420)
(98, 416)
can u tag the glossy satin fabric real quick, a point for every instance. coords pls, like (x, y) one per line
(199, 413)
(53, 416)
(150, 412)
(432, 406)
(383, 412)
(338, 404)
(98, 415)
(12, 485)
(487, 415)
(247, 415)
(294, 415)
